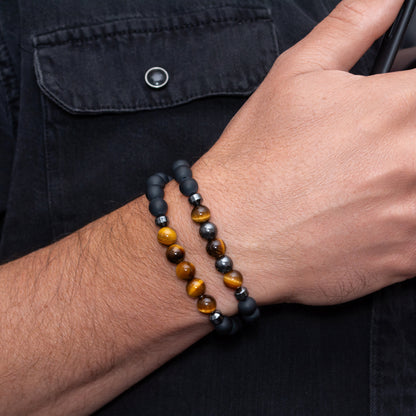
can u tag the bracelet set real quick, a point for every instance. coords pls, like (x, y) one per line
(248, 312)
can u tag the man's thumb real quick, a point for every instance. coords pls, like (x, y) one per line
(340, 40)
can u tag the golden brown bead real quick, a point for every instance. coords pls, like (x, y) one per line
(200, 214)
(233, 279)
(166, 236)
(175, 253)
(185, 270)
(195, 288)
(216, 248)
(206, 304)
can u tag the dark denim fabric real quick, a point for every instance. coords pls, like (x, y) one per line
(80, 132)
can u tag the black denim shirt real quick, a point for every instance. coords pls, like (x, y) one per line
(79, 133)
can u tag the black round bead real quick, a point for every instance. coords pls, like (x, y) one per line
(237, 325)
(158, 207)
(154, 191)
(189, 186)
(247, 307)
(225, 327)
(216, 317)
(162, 221)
(224, 264)
(251, 319)
(179, 163)
(208, 230)
(241, 293)
(182, 173)
(165, 177)
(155, 180)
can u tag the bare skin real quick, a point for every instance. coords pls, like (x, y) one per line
(319, 209)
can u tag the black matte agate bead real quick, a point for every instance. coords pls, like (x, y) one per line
(247, 307)
(237, 325)
(188, 187)
(225, 327)
(224, 264)
(208, 231)
(158, 207)
(251, 319)
(179, 163)
(182, 173)
(155, 180)
(154, 191)
(165, 178)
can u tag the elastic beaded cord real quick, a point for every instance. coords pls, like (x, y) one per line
(201, 215)
(185, 270)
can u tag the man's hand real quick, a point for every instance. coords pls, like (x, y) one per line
(318, 169)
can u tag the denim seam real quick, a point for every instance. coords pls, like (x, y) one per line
(182, 12)
(158, 30)
(9, 80)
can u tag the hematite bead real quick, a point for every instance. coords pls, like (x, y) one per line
(224, 264)
(175, 253)
(208, 231)
(247, 307)
(155, 180)
(182, 173)
(188, 186)
(195, 199)
(185, 270)
(233, 279)
(216, 317)
(216, 248)
(195, 288)
(158, 207)
(166, 178)
(251, 319)
(162, 221)
(206, 304)
(200, 214)
(241, 293)
(178, 163)
(155, 191)
(225, 327)
(166, 236)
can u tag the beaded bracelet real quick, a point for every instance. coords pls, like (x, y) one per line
(185, 270)
(200, 214)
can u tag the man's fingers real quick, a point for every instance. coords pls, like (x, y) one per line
(344, 36)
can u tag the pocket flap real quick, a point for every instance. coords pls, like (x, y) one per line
(101, 68)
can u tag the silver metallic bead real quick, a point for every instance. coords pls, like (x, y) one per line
(195, 199)
(241, 293)
(162, 221)
(224, 264)
(208, 231)
(216, 317)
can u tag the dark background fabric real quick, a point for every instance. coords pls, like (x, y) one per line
(79, 135)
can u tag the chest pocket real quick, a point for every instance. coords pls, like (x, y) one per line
(211, 59)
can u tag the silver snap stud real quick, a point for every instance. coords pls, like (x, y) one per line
(156, 77)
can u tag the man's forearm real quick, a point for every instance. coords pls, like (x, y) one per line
(87, 317)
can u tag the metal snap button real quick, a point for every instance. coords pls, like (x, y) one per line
(156, 77)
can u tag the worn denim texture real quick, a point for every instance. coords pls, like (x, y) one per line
(79, 133)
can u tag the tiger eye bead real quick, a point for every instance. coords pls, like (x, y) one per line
(233, 279)
(200, 214)
(166, 236)
(195, 288)
(216, 248)
(206, 304)
(175, 253)
(185, 270)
